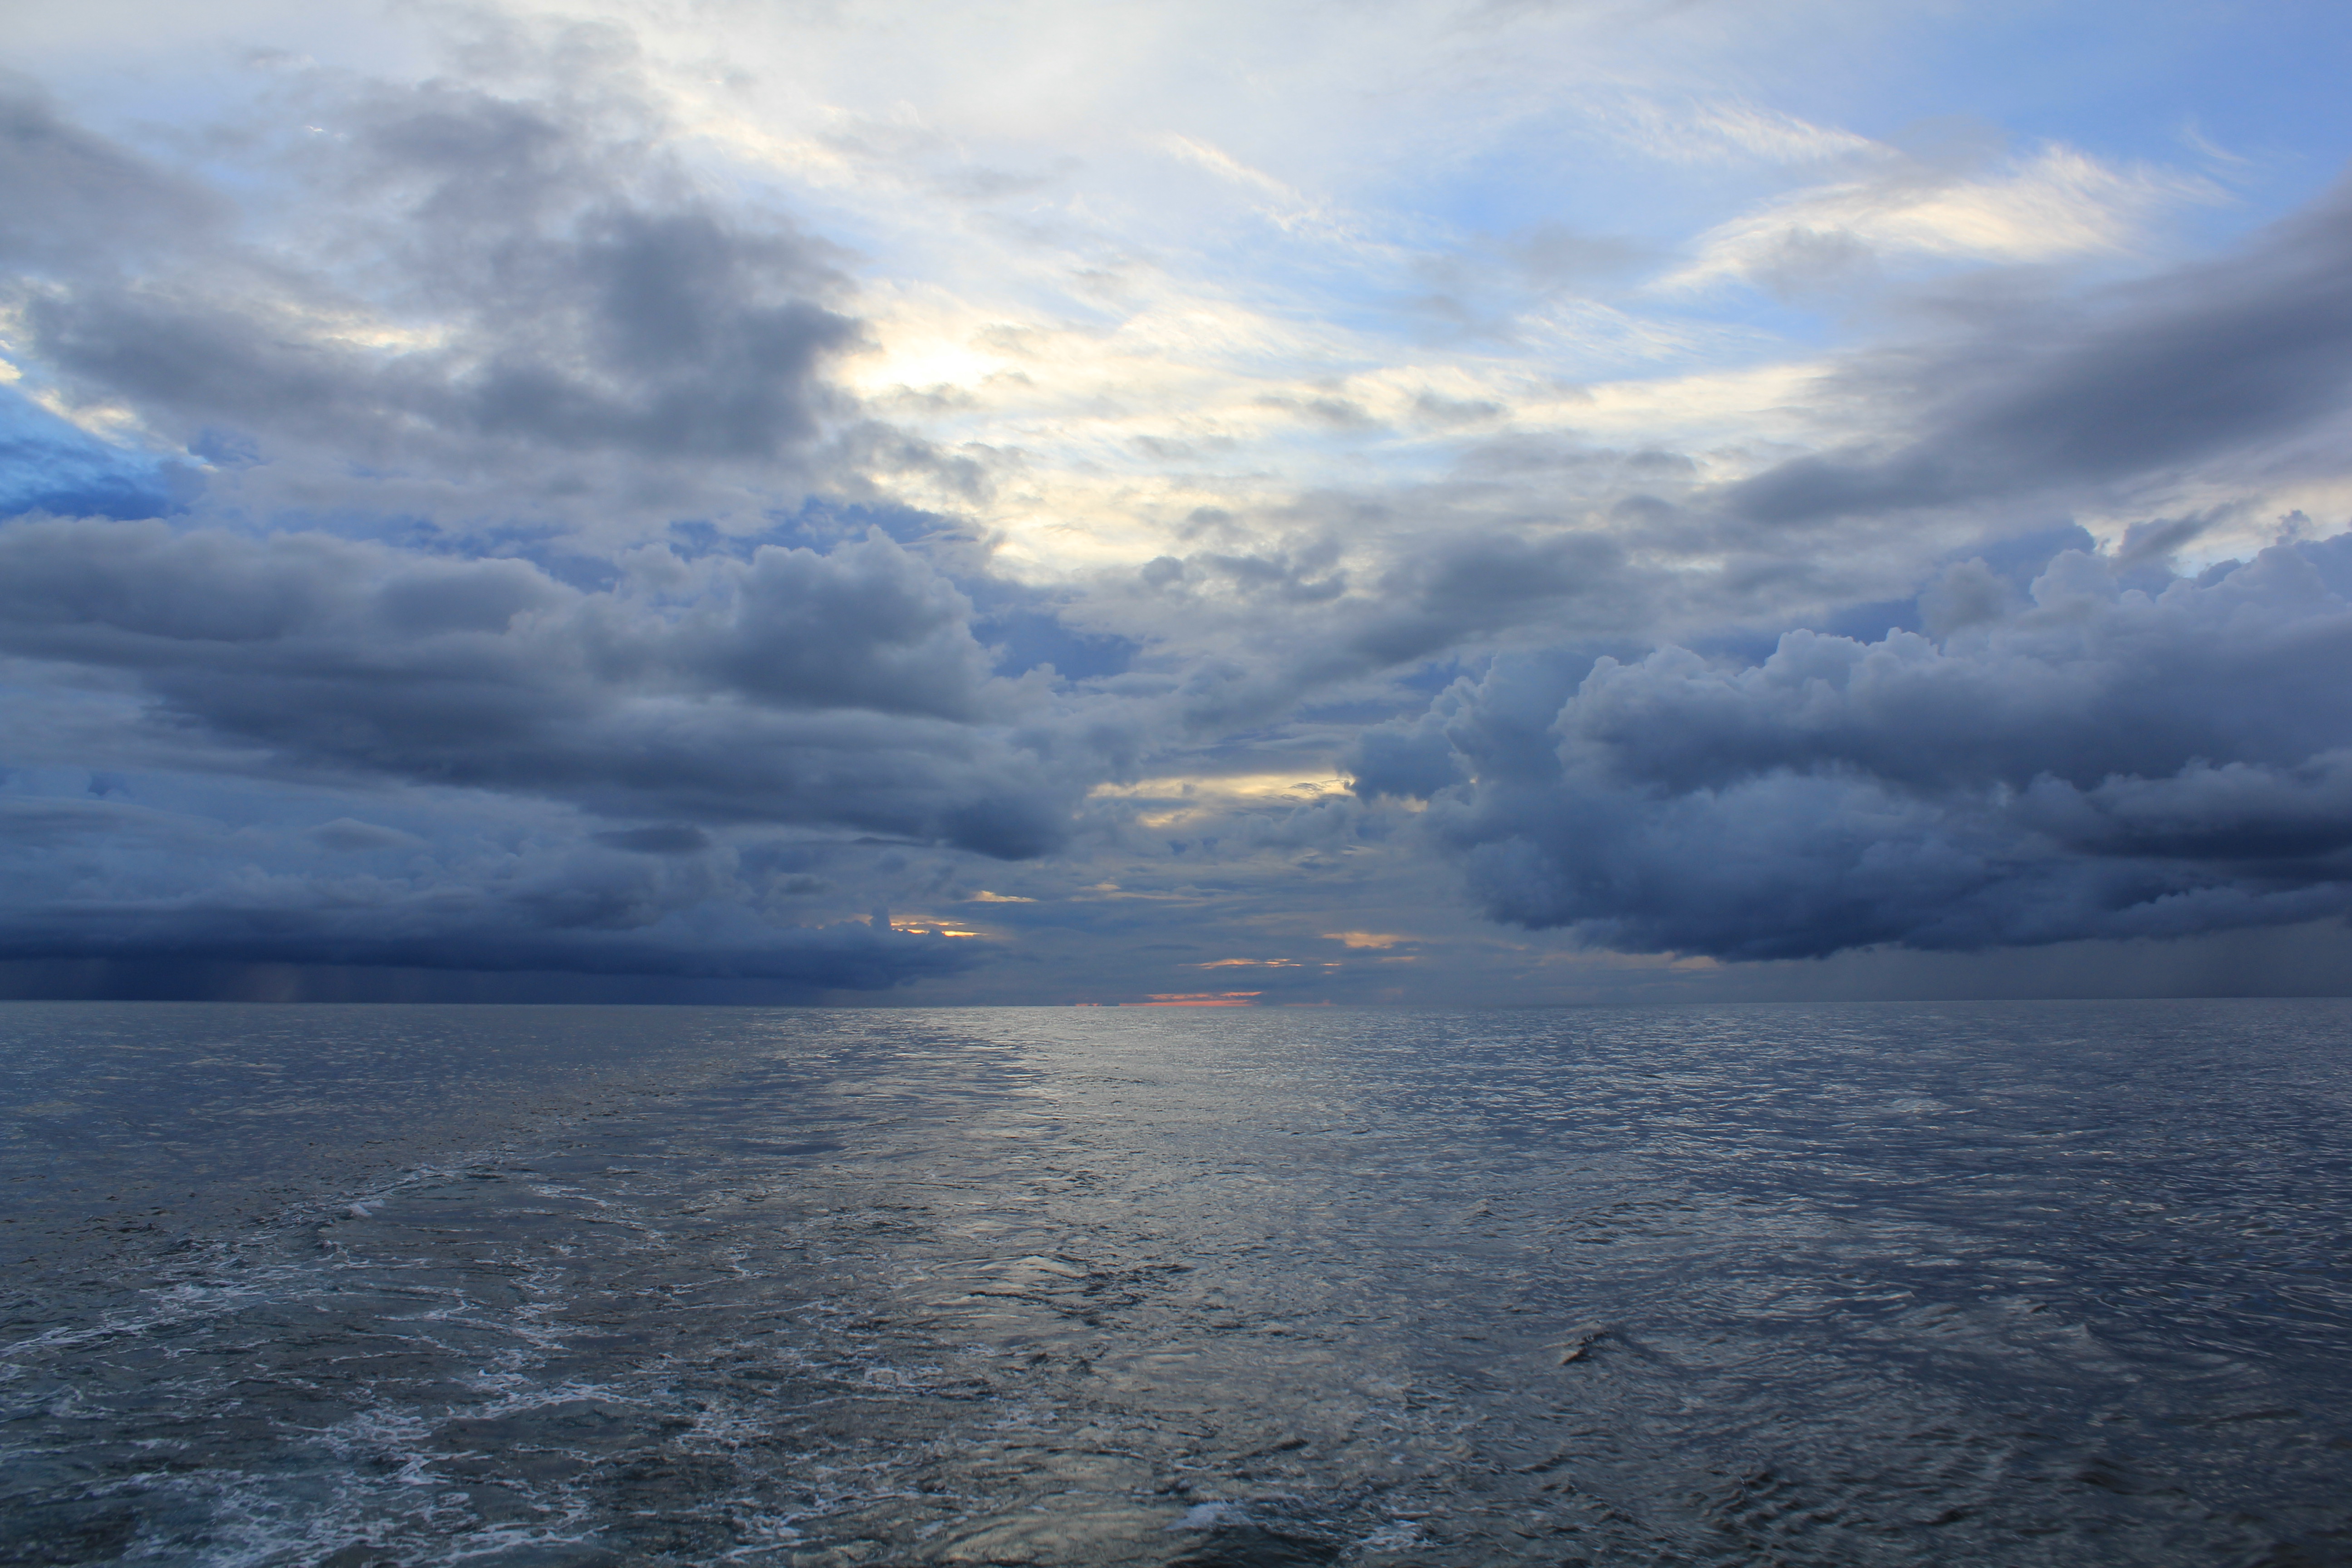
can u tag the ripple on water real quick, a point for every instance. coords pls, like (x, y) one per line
(2058, 1284)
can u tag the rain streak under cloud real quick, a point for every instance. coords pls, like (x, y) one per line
(1175, 504)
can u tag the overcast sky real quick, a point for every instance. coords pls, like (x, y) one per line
(1434, 502)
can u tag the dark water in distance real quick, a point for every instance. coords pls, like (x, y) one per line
(2008, 1283)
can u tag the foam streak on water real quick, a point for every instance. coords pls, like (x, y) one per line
(2027, 1284)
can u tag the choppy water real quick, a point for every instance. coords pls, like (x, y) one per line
(2016, 1284)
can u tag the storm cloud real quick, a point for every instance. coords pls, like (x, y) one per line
(843, 689)
(103, 879)
(2095, 762)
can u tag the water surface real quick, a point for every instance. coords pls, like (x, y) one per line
(2026, 1284)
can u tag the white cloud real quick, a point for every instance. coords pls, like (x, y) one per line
(2055, 205)
(1217, 161)
(1719, 131)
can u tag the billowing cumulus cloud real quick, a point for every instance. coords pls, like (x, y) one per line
(843, 689)
(2092, 761)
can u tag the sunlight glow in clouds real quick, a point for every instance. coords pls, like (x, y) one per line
(1619, 499)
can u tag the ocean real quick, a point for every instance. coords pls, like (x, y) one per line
(2062, 1283)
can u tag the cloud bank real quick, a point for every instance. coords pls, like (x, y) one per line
(2082, 761)
(843, 688)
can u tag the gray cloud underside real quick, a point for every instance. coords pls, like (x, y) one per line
(844, 957)
(104, 877)
(843, 689)
(2098, 763)
(501, 300)
(2205, 360)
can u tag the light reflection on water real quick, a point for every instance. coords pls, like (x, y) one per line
(2058, 1283)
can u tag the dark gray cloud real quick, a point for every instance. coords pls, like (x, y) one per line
(1241, 638)
(347, 835)
(72, 202)
(667, 840)
(2089, 762)
(499, 938)
(1460, 589)
(2159, 376)
(844, 691)
(481, 288)
(163, 879)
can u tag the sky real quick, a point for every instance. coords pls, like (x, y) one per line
(1420, 501)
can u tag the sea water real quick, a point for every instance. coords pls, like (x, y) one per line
(2014, 1283)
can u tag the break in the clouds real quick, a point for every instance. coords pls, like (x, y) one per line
(1442, 502)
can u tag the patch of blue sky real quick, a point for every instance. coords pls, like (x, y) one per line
(819, 522)
(49, 464)
(1385, 298)
(2169, 82)
(1563, 173)
(1434, 675)
(2175, 94)
(1027, 639)
(1776, 324)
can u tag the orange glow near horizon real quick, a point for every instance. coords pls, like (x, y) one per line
(923, 925)
(1372, 939)
(1200, 999)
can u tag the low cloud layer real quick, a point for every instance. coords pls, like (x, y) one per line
(2085, 761)
(843, 689)
(107, 877)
